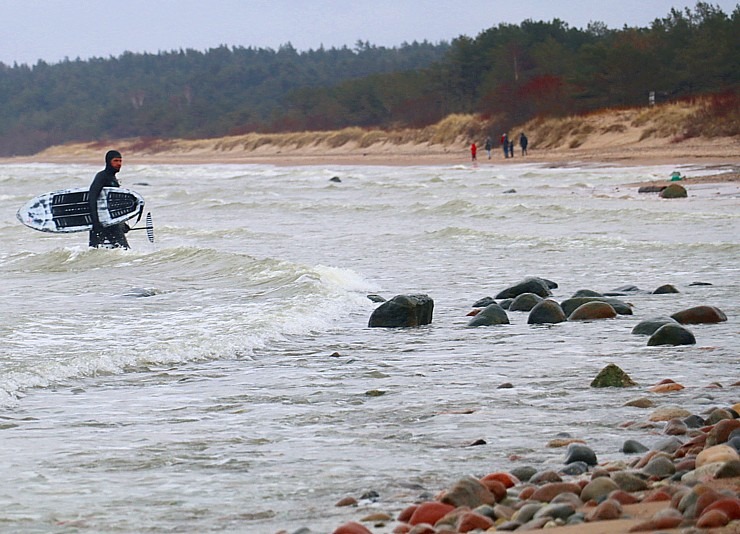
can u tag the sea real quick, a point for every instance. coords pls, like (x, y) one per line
(224, 378)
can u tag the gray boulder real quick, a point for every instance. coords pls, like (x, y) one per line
(671, 334)
(403, 311)
(666, 288)
(649, 326)
(490, 315)
(586, 293)
(546, 312)
(533, 284)
(525, 302)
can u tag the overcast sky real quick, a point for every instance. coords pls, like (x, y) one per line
(53, 30)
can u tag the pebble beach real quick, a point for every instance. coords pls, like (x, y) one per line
(689, 482)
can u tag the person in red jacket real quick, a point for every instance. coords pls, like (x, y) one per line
(473, 152)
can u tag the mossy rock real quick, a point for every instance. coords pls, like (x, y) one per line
(612, 376)
(674, 191)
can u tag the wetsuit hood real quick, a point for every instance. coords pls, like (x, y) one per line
(109, 156)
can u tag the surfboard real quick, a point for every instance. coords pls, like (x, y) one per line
(68, 210)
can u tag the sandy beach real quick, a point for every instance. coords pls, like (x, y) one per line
(631, 137)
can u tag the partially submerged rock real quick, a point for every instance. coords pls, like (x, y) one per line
(492, 314)
(612, 376)
(671, 334)
(403, 311)
(538, 286)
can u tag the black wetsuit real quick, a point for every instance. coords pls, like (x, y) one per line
(105, 236)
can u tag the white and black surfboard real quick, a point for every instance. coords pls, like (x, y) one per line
(68, 210)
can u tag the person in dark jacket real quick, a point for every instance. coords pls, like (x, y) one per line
(523, 142)
(106, 236)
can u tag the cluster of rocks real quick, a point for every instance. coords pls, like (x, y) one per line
(533, 295)
(690, 479)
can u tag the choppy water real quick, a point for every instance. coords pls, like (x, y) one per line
(218, 380)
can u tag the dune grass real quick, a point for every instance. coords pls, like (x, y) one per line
(707, 117)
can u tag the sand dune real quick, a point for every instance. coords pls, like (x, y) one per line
(638, 136)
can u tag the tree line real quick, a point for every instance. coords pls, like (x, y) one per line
(511, 72)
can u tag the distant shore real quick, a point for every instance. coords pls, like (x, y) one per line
(722, 155)
(718, 152)
(624, 137)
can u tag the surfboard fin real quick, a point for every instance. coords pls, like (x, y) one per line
(149, 228)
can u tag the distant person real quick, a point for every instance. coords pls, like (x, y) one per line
(489, 146)
(511, 149)
(523, 142)
(473, 152)
(106, 236)
(505, 144)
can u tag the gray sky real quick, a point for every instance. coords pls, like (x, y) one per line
(53, 30)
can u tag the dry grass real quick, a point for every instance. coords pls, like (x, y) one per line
(712, 117)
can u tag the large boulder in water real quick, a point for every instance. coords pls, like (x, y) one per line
(621, 307)
(671, 334)
(546, 312)
(586, 293)
(674, 191)
(700, 315)
(666, 288)
(490, 315)
(403, 311)
(649, 326)
(533, 284)
(591, 311)
(525, 302)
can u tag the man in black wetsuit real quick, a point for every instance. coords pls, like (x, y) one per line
(106, 236)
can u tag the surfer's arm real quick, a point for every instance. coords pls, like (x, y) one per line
(95, 189)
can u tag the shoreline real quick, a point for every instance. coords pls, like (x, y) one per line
(725, 162)
(720, 153)
(667, 489)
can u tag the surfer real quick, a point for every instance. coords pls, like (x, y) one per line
(106, 236)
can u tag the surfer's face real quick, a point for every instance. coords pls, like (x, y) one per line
(116, 163)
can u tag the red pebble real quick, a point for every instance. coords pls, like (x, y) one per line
(730, 507)
(609, 509)
(622, 497)
(352, 528)
(658, 495)
(705, 499)
(495, 487)
(406, 513)
(713, 519)
(430, 512)
(657, 523)
(526, 493)
(473, 312)
(509, 481)
(472, 521)
(722, 430)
